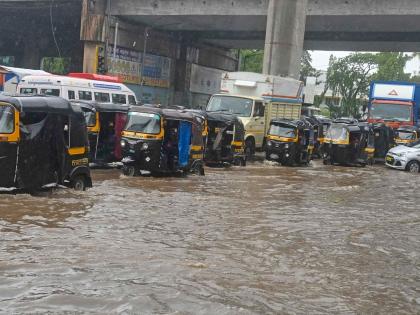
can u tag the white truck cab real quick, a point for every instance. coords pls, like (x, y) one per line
(256, 99)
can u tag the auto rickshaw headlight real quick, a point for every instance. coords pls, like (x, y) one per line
(286, 146)
(123, 143)
(145, 146)
(269, 143)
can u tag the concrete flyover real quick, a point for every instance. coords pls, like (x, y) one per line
(361, 25)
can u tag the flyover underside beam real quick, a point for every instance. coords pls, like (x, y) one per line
(259, 7)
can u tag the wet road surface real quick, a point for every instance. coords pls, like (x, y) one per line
(257, 240)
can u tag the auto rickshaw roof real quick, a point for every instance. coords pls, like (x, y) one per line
(350, 128)
(103, 107)
(31, 103)
(224, 117)
(298, 123)
(166, 113)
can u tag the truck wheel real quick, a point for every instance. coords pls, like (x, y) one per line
(413, 167)
(249, 148)
(79, 183)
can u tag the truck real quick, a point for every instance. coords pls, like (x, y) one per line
(394, 103)
(257, 99)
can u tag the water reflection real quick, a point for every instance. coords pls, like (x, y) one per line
(261, 239)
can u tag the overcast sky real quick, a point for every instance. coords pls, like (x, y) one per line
(320, 60)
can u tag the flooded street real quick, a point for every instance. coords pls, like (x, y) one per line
(257, 240)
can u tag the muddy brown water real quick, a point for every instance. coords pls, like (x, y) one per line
(257, 240)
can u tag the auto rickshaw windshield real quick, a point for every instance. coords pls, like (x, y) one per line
(90, 118)
(143, 123)
(406, 135)
(337, 133)
(282, 131)
(7, 119)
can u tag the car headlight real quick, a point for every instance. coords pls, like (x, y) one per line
(403, 154)
(145, 146)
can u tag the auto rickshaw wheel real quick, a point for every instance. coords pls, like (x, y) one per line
(199, 170)
(249, 148)
(413, 167)
(79, 183)
(130, 170)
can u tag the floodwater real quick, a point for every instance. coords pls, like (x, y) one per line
(257, 240)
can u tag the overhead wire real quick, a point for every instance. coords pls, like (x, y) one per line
(52, 28)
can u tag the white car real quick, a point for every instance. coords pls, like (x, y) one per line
(404, 157)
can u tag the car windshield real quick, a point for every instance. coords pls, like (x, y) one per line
(406, 135)
(143, 122)
(337, 133)
(6, 119)
(236, 105)
(282, 131)
(90, 118)
(393, 112)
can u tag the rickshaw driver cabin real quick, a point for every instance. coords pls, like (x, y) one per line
(43, 141)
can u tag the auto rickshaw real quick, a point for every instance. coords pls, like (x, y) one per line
(290, 142)
(105, 122)
(351, 144)
(384, 141)
(407, 134)
(161, 140)
(226, 140)
(325, 123)
(43, 142)
(318, 131)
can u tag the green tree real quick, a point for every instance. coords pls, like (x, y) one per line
(391, 66)
(252, 60)
(349, 78)
(306, 68)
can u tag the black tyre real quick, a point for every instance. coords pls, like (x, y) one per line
(243, 162)
(130, 170)
(249, 148)
(413, 167)
(78, 183)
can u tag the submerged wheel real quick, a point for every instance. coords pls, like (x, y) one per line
(249, 148)
(79, 183)
(199, 170)
(243, 162)
(129, 170)
(413, 167)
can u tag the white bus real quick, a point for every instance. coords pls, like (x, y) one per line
(79, 86)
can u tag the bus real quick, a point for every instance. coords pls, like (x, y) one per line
(79, 86)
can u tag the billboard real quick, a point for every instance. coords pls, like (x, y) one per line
(127, 64)
(205, 80)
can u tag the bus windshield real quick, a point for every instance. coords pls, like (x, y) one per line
(236, 105)
(282, 131)
(394, 112)
(7, 119)
(337, 133)
(143, 123)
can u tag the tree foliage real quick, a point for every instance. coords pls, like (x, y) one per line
(350, 77)
(252, 60)
(306, 69)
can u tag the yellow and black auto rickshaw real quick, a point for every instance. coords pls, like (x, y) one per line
(325, 123)
(159, 140)
(349, 143)
(384, 141)
(407, 135)
(290, 142)
(43, 142)
(226, 140)
(105, 122)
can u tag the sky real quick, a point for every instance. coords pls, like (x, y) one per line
(320, 60)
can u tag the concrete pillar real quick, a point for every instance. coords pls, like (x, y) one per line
(286, 20)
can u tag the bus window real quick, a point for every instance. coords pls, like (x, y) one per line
(131, 100)
(50, 92)
(119, 99)
(102, 97)
(85, 95)
(28, 91)
(71, 94)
